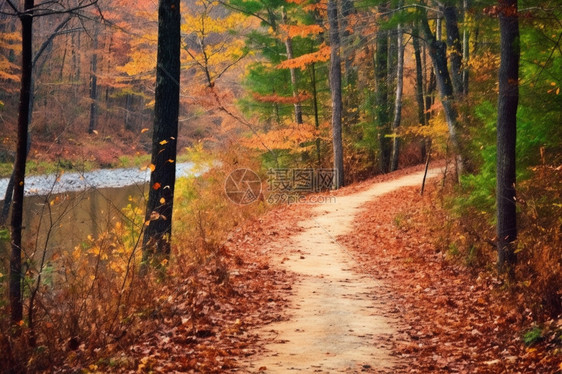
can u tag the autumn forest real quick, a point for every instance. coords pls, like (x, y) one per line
(261, 186)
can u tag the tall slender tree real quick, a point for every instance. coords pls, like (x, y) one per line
(94, 84)
(398, 98)
(158, 231)
(438, 53)
(292, 71)
(506, 133)
(382, 107)
(26, 18)
(450, 12)
(335, 87)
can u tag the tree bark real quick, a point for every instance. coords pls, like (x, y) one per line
(158, 232)
(438, 54)
(347, 9)
(16, 305)
(94, 85)
(293, 72)
(335, 87)
(382, 114)
(506, 134)
(315, 108)
(465, 49)
(44, 46)
(454, 44)
(419, 84)
(398, 99)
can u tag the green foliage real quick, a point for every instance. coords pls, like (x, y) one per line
(4, 235)
(138, 160)
(533, 336)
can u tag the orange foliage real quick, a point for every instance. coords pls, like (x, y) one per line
(301, 30)
(322, 55)
(281, 99)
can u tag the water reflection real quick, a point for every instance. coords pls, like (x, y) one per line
(63, 221)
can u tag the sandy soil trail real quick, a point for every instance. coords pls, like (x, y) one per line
(337, 320)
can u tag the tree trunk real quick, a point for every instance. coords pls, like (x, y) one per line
(419, 84)
(506, 134)
(382, 114)
(315, 108)
(128, 125)
(347, 9)
(16, 305)
(465, 49)
(335, 87)
(94, 85)
(454, 44)
(398, 99)
(293, 72)
(46, 44)
(438, 54)
(157, 235)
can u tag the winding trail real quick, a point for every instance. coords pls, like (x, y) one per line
(337, 320)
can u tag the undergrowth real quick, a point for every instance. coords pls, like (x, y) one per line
(465, 223)
(84, 306)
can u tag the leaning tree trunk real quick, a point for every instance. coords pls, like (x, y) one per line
(506, 134)
(438, 54)
(335, 87)
(398, 99)
(158, 232)
(16, 305)
(454, 44)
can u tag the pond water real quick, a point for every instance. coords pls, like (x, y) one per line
(61, 211)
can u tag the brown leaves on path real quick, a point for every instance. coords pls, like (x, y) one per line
(453, 320)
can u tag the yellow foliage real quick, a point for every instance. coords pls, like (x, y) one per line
(211, 39)
(142, 61)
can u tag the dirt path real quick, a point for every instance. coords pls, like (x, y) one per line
(337, 321)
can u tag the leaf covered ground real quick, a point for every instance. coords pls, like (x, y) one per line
(451, 317)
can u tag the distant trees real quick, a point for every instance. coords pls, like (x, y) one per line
(26, 17)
